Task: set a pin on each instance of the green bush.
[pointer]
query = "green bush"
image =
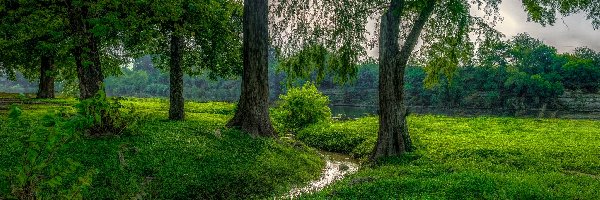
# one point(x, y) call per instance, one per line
point(41, 173)
point(532, 90)
point(301, 107)
point(99, 116)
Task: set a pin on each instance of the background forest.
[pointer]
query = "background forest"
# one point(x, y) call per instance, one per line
point(521, 73)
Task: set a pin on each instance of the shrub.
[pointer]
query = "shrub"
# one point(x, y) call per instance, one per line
point(301, 107)
point(99, 116)
point(41, 173)
point(14, 112)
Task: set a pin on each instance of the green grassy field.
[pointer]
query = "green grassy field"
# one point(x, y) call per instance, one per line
point(470, 158)
point(158, 159)
point(456, 158)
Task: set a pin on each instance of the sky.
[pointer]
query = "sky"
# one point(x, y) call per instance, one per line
point(566, 34)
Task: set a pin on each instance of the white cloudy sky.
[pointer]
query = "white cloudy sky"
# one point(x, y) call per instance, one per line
point(566, 34)
point(574, 32)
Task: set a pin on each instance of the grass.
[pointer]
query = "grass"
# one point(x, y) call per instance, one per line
point(354, 137)
point(473, 158)
point(157, 159)
point(456, 158)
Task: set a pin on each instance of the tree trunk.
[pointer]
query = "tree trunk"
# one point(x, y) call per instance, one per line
point(392, 124)
point(89, 70)
point(252, 113)
point(393, 138)
point(176, 78)
point(87, 56)
point(46, 86)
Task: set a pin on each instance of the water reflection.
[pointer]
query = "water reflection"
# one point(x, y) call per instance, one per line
point(337, 167)
point(353, 111)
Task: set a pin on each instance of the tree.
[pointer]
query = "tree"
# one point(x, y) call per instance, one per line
point(83, 32)
point(188, 36)
point(581, 73)
point(86, 51)
point(532, 55)
point(252, 114)
point(442, 26)
point(445, 44)
point(31, 43)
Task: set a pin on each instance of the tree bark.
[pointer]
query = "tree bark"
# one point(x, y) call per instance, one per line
point(252, 113)
point(393, 137)
point(87, 56)
point(46, 86)
point(89, 70)
point(176, 78)
point(391, 124)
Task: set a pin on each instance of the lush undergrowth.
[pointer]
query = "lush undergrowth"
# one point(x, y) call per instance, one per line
point(158, 159)
point(354, 137)
point(471, 158)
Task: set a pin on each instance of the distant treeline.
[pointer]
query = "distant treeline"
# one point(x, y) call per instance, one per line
point(520, 73)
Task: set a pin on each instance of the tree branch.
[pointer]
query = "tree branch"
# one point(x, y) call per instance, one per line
point(415, 32)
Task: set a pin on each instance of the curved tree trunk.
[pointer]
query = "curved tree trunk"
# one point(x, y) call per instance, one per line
point(46, 86)
point(393, 138)
point(252, 113)
point(176, 103)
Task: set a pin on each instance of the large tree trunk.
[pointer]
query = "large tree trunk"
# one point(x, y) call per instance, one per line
point(87, 56)
point(252, 114)
point(392, 123)
point(89, 70)
point(393, 138)
point(176, 78)
point(46, 86)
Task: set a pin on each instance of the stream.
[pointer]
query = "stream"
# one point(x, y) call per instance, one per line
point(337, 166)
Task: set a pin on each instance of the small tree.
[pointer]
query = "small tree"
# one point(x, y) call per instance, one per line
point(188, 37)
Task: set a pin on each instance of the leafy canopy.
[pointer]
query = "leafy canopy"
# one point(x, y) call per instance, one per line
point(312, 35)
point(210, 29)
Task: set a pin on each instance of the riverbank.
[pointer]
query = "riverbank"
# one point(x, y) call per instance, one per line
point(469, 157)
point(356, 111)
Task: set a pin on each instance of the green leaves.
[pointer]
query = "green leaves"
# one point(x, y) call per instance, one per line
point(544, 11)
point(301, 107)
point(581, 74)
point(210, 29)
point(15, 112)
point(41, 173)
point(32, 29)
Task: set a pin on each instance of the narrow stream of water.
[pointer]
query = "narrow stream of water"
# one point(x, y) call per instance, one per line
point(337, 167)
